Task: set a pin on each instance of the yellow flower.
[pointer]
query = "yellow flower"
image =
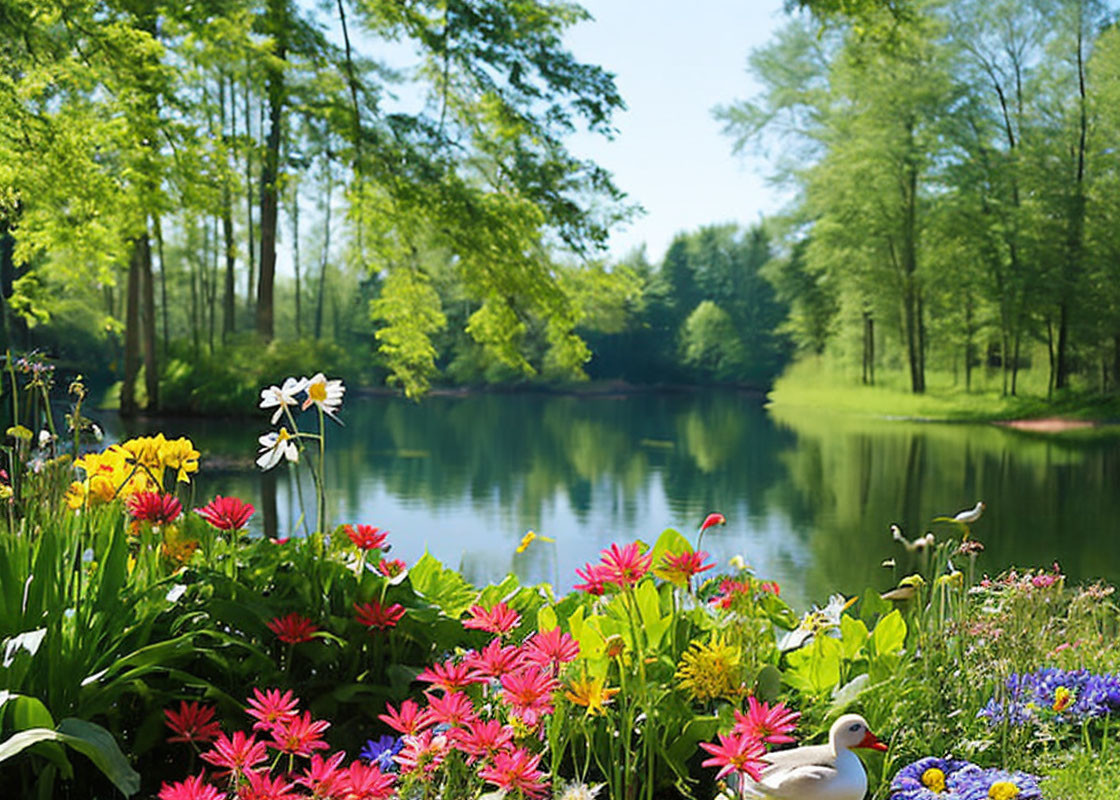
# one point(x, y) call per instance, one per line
point(76, 495)
point(591, 694)
point(711, 670)
point(1003, 790)
point(177, 547)
point(181, 456)
point(1063, 698)
point(145, 451)
point(529, 538)
point(934, 780)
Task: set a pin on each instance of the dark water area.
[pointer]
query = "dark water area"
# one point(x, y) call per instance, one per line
point(808, 497)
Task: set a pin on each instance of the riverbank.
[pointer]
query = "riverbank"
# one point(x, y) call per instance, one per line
point(1071, 413)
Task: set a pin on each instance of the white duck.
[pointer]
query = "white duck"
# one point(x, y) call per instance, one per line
point(819, 772)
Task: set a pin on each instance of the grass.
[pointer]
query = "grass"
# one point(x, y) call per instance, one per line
point(814, 383)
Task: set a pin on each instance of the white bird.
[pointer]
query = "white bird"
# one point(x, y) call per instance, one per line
point(970, 515)
point(819, 772)
point(916, 546)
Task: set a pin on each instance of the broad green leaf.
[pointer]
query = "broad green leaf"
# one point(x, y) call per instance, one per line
point(670, 541)
point(853, 636)
point(443, 588)
point(847, 694)
point(649, 609)
point(889, 634)
point(768, 684)
point(872, 606)
point(87, 738)
point(546, 619)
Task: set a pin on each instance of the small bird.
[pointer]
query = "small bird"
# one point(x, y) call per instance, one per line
point(970, 515)
point(916, 546)
point(819, 772)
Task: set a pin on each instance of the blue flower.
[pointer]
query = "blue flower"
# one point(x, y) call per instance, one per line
point(381, 752)
point(974, 783)
point(925, 779)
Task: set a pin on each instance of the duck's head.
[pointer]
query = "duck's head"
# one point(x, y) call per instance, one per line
point(851, 732)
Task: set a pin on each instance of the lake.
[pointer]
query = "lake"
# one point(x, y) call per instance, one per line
point(808, 496)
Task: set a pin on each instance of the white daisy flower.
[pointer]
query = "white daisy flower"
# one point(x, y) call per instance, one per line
point(276, 445)
point(326, 394)
point(282, 396)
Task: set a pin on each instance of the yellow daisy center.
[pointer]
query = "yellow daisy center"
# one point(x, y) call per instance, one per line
point(317, 392)
point(934, 780)
point(1003, 790)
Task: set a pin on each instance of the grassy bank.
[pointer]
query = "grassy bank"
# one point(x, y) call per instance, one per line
point(814, 384)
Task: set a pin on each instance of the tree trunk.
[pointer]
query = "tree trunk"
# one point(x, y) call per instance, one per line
point(228, 321)
point(148, 323)
point(249, 295)
point(270, 172)
point(158, 228)
point(295, 256)
point(128, 404)
point(326, 251)
point(1076, 223)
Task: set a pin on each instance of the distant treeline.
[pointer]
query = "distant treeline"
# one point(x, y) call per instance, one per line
point(956, 170)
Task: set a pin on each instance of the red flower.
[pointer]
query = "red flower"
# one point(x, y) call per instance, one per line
point(299, 735)
point(153, 507)
point(449, 675)
point(236, 754)
point(499, 619)
point(453, 708)
point(422, 753)
point(550, 648)
point(494, 661)
point(529, 694)
point(192, 723)
point(323, 777)
point(391, 568)
point(736, 753)
point(714, 518)
point(191, 789)
point(410, 720)
point(766, 724)
point(226, 513)
point(516, 771)
point(624, 566)
point(270, 708)
point(262, 786)
point(293, 628)
point(593, 576)
point(480, 739)
point(679, 569)
point(375, 615)
point(363, 782)
point(366, 537)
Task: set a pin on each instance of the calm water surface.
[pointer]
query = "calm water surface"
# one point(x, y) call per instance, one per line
point(808, 497)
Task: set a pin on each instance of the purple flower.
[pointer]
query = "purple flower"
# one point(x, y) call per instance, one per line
point(925, 779)
point(381, 752)
point(974, 783)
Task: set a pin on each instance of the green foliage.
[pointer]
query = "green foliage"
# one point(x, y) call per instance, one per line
point(229, 379)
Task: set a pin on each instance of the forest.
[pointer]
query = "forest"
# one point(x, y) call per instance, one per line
point(192, 196)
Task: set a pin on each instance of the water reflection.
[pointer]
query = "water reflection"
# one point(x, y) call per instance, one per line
point(808, 497)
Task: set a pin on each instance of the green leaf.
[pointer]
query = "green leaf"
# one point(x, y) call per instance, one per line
point(87, 738)
point(649, 609)
point(872, 606)
point(853, 635)
point(847, 694)
point(890, 634)
point(443, 588)
point(670, 541)
point(546, 619)
point(768, 683)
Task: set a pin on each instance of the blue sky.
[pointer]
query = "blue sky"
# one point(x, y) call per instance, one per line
point(673, 63)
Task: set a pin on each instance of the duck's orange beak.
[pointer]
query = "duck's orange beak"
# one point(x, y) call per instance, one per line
point(871, 742)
